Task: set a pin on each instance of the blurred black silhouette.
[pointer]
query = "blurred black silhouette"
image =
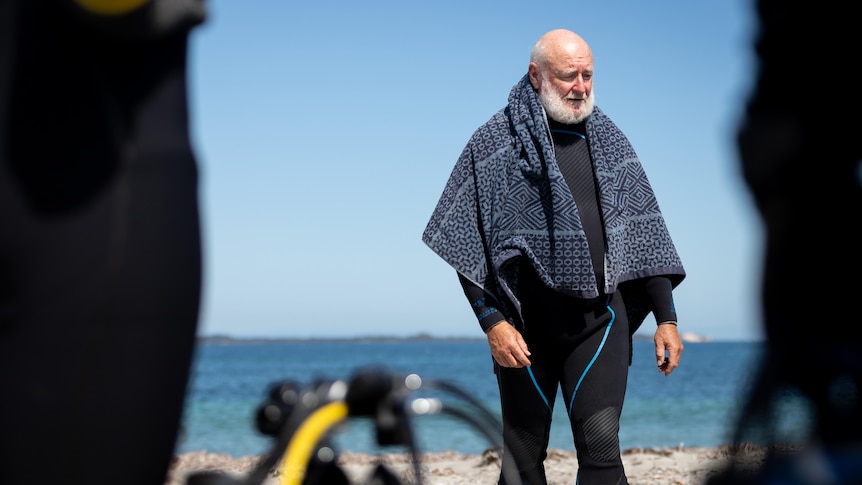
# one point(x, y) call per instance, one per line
point(100, 257)
point(800, 153)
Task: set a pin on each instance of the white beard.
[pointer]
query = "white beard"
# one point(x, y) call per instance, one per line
point(559, 110)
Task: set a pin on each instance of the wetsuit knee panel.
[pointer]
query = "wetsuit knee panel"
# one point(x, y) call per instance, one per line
point(601, 435)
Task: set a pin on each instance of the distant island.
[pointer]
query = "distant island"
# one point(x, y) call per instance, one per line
point(692, 337)
point(422, 337)
point(688, 337)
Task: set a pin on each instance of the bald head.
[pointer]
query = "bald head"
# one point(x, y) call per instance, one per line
point(559, 45)
point(561, 71)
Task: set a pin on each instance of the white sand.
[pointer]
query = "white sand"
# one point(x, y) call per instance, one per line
point(665, 466)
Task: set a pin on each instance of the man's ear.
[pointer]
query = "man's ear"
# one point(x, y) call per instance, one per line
point(535, 77)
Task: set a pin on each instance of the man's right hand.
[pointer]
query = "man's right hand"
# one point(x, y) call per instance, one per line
point(508, 347)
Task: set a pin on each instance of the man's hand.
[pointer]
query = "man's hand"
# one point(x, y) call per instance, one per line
point(508, 347)
point(667, 341)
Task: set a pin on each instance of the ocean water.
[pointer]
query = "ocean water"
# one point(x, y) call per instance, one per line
point(695, 406)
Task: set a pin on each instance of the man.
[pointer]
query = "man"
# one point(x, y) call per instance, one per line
point(100, 248)
point(561, 249)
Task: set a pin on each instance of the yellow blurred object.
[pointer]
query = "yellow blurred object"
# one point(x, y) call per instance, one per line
point(299, 450)
point(111, 7)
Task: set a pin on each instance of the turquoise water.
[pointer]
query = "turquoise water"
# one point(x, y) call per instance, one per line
point(694, 406)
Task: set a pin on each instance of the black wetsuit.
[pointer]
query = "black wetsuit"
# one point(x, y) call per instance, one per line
point(581, 346)
point(100, 257)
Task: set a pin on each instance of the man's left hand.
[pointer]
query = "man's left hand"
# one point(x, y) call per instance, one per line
point(668, 348)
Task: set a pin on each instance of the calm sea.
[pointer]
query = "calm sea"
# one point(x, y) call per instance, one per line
point(695, 406)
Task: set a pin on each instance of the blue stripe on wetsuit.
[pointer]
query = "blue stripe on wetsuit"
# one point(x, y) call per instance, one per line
point(587, 369)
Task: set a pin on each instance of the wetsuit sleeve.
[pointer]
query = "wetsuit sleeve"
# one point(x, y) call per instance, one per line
point(659, 290)
point(483, 304)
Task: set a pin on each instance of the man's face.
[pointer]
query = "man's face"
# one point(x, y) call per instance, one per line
point(563, 77)
point(569, 101)
point(567, 94)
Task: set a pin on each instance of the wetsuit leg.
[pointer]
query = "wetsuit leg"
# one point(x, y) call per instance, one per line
point(527, 407)
point(594, 386)
point(99, 258)
point(565, 335)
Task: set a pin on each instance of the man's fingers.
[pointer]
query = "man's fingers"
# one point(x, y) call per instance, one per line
point(514, 357)
point(508, 346)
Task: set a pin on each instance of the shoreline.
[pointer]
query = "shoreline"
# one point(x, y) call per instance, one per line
point(654, 466)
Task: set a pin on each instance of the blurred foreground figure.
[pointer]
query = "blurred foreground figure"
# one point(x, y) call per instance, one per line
point(100, 258)
point(800, 146)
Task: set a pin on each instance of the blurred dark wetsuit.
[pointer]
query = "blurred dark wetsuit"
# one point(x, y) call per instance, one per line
point(100, 251)
point(802, 164)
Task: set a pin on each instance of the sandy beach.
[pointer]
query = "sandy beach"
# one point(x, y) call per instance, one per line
point(664, 466)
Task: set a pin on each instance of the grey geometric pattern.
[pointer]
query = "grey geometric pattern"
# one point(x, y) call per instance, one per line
point(506, 198)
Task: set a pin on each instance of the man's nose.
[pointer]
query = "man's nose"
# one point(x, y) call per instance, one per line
point(579, 86)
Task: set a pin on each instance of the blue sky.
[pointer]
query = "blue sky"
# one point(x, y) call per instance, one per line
point(325, 133)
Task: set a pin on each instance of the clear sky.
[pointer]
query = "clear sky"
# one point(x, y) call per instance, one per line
point(326, 131)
